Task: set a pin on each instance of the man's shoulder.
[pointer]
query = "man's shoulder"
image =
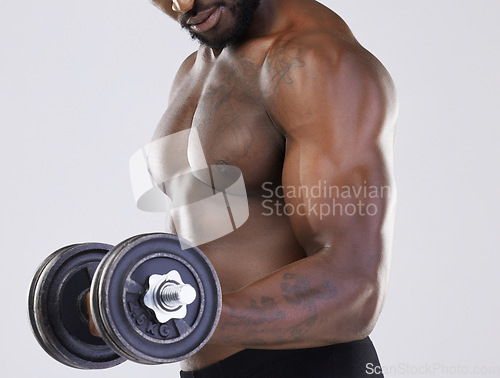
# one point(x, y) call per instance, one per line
point(317, 51)
point(187, 64)
point(324, 57)
point(321, 70)
point(185, 68)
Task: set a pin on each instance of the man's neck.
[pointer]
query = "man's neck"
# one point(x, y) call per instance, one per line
point(267, 19)
point(271, 17)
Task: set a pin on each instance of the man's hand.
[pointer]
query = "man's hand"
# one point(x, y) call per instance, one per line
point(92, 327)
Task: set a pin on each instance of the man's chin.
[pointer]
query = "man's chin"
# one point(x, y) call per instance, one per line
point(230, 32)
point(214, 43)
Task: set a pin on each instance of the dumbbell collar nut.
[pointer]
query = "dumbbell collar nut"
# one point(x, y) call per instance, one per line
point(168, 296)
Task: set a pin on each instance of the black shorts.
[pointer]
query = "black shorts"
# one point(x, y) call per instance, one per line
point(349, 360)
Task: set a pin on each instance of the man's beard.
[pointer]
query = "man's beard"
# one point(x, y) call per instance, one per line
point(243, 12)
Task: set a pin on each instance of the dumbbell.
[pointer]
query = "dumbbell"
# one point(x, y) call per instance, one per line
point(152, 302)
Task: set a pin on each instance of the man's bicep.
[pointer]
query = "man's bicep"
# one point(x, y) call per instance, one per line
point(341, 207)
point(337, 110)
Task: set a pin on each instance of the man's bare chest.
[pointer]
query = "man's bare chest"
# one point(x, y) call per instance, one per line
point(225, 106)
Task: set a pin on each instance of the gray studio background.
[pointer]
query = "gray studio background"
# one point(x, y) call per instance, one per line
point(84, 83)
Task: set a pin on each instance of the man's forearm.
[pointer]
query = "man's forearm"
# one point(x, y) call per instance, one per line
point(305, 304)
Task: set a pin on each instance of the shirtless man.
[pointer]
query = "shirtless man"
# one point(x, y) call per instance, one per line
point(282, 90)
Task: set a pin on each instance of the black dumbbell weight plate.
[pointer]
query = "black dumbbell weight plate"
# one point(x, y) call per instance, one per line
point(33, 315)
point(96, 307)
point(129, 325)
point(57, 308)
